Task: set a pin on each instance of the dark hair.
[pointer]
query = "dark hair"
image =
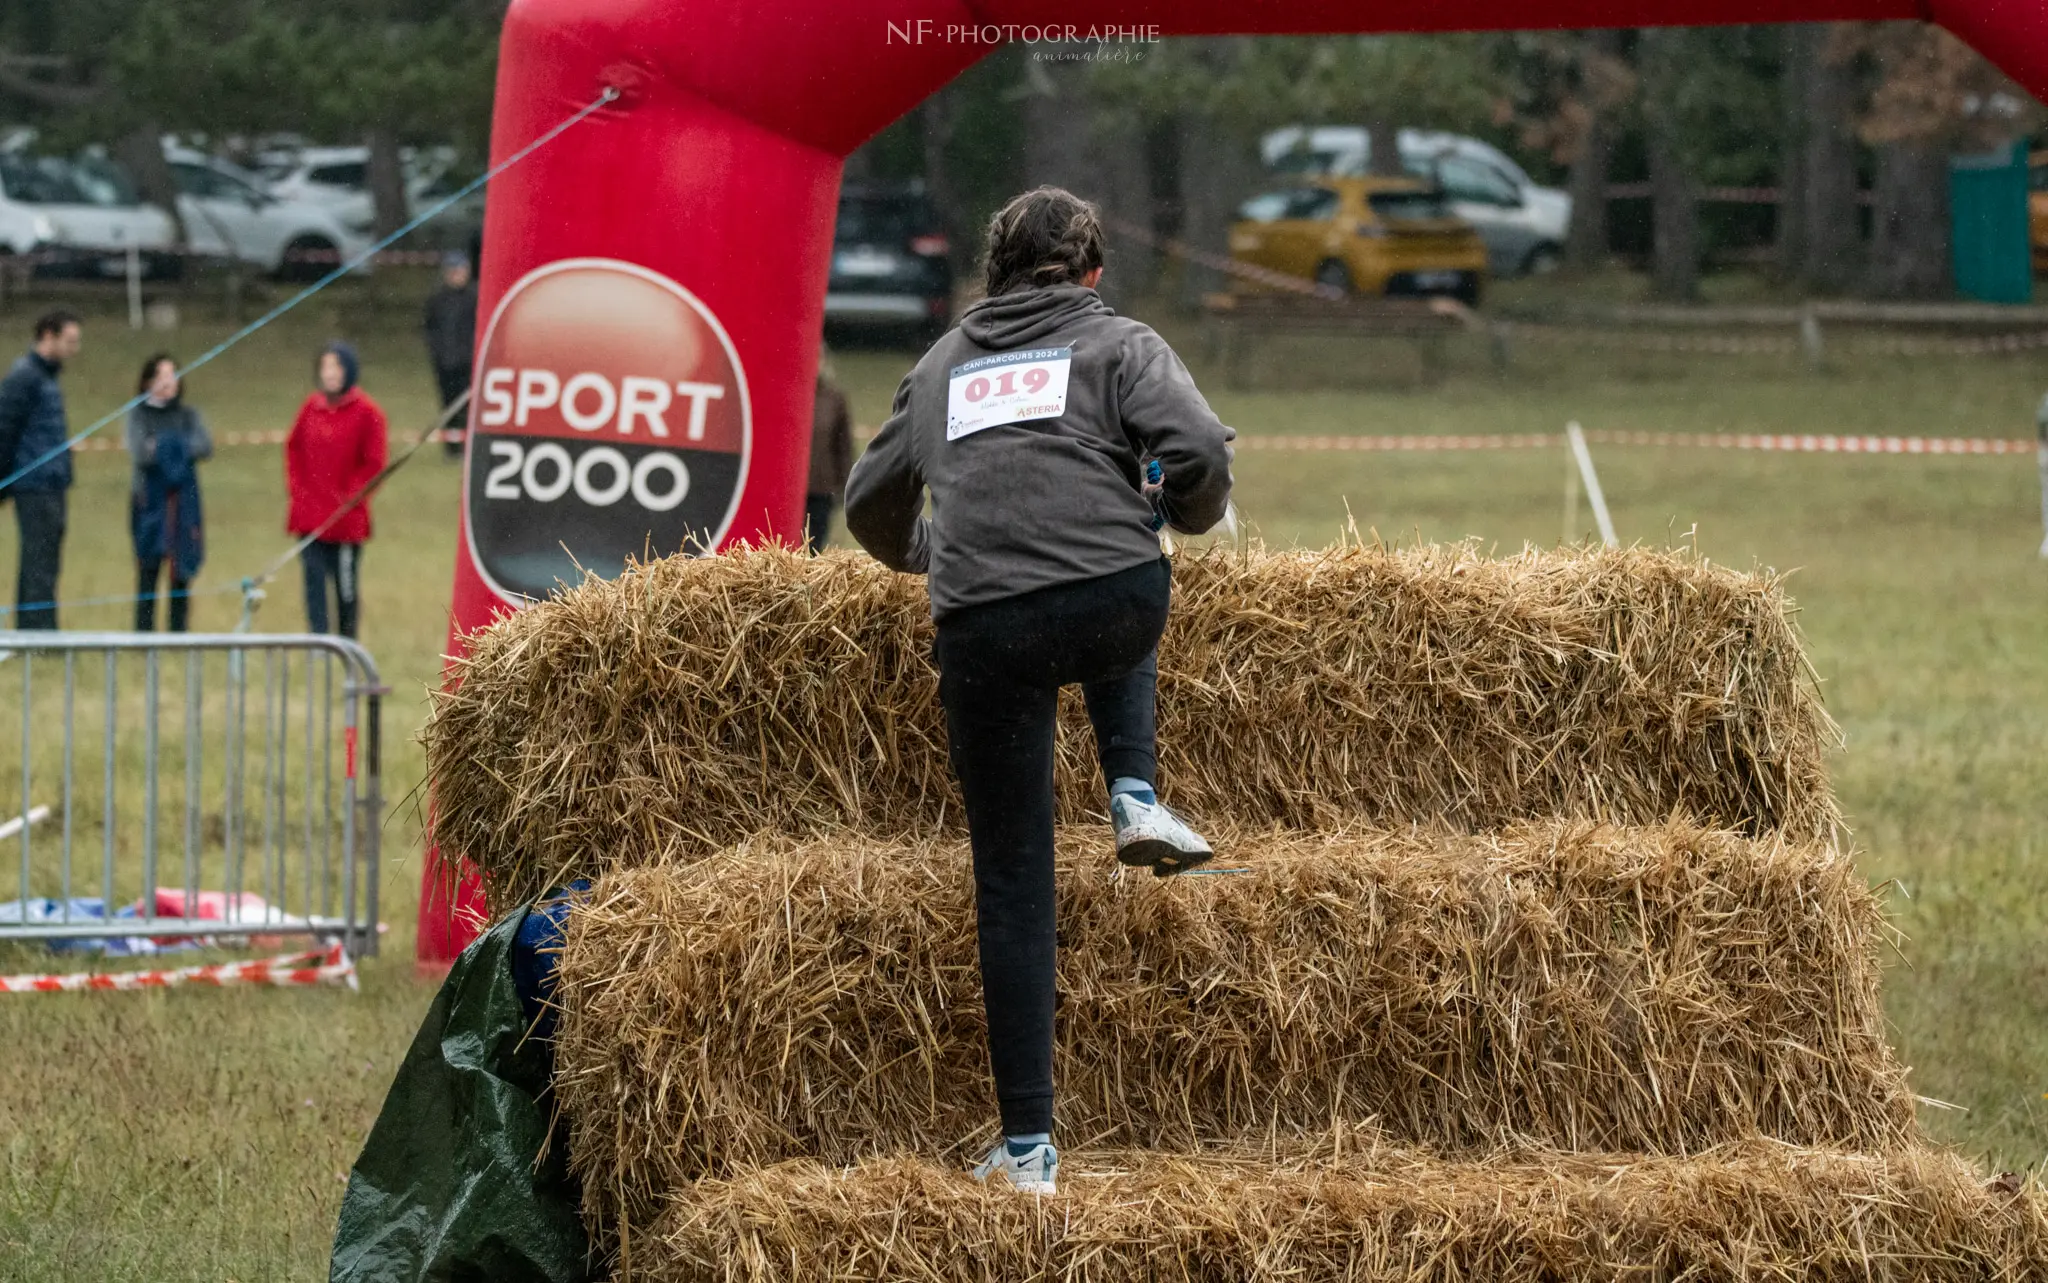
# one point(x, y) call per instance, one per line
point(149, 371)
point(1047, 236)
point(54, 321)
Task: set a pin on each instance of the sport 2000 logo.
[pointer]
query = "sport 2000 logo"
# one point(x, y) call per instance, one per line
point(609, 420)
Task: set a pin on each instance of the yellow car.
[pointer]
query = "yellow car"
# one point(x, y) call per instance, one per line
point(2037, 209)
point(1364, 236)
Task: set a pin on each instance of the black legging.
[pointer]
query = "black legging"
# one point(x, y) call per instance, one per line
point(148, 572)
point(339, 564)
point(1001, 666)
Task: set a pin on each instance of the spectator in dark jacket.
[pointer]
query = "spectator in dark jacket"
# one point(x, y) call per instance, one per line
point(451, 338)
point(33, 435)
point(166, 440)
point(831, 455)
point(337, 445)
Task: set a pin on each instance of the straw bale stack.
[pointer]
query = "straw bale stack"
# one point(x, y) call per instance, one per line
point(1548, 963)
point(1748, 1212)
point(690, 703)
point(1559, 983)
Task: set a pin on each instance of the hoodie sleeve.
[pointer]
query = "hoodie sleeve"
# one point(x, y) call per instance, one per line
point(202, 440)
point(1167, 415)
point(885, 494)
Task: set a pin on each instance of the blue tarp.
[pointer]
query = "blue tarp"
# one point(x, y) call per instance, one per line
point(88, 908)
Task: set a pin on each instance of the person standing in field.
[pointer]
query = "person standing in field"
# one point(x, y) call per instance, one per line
point(451, 339)
point(337, 445)
point(166, 442)
point(1029, 424)
point(831, 454)
point(33, 434)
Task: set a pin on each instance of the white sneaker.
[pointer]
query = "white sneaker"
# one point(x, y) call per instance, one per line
point(1149, 835)
point(1034, 1172)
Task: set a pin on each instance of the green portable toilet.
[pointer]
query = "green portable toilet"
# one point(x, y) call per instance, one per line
point(1988, 225)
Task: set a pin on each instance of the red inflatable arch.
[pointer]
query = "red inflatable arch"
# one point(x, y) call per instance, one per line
point(653, 282)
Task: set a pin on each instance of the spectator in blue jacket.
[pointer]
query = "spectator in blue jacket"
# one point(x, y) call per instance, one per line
point(166, 442)
point(32, 426)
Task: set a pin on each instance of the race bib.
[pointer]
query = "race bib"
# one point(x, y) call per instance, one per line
point(1010, 387)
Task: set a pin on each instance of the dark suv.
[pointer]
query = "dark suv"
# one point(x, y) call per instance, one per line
point(889, 267)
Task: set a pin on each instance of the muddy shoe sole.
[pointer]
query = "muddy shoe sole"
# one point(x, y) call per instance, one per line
point(1162, 857)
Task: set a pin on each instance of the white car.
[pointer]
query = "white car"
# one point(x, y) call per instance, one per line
point(338, 178)
point(46, 207)
point(1523, 224)
point(226, 212)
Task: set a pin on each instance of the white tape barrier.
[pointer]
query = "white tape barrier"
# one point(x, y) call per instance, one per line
point(1764, 345)
point(1789, 443)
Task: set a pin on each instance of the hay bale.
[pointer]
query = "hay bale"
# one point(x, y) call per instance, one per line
point(1748, 1212)
point(1560, 983)
point(690, 703)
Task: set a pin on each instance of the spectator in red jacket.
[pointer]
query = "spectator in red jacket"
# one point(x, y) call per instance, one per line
point(336, 446)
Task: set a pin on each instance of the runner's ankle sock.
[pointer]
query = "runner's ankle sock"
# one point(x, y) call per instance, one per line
point(1137, 788)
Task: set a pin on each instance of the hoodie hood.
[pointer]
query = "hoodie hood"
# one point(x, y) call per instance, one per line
point(1015, 320)
point(350, 367)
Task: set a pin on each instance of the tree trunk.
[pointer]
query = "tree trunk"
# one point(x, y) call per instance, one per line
point(1788, 241)
point(141, 153)
point(1210, 193)
point(1384, 144)
point(1586, 243)
point(1075, 142)
point(1586, 240)
point(1909, 251)
point(387, 182)
point(937, 122)
point(1829, 234)
point(1675, 222)
point(1218, 162)
point(1674, 214)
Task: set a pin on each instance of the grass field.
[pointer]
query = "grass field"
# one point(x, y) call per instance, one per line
point(205, 1136)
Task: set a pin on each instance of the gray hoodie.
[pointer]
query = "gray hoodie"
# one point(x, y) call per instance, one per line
point(1028, 423)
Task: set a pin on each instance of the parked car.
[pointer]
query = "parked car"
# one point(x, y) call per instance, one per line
point(889, 265)
point(1392, 236)
point(1523, 224)
point(2037, 208)
point(75, 227)
point(226, 212)
point(338, 178)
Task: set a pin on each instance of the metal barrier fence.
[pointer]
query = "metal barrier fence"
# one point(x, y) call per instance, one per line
point(248, 808)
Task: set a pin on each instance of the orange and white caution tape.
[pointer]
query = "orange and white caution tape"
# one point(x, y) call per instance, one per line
point(1793, 443)
point(96, 445)
point(1778, 345)
point(329, 966)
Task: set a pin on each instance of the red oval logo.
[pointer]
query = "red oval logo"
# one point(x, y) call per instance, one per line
point(609, 420)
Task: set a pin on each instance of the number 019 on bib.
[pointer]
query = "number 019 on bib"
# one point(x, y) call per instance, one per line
point(1009, 387)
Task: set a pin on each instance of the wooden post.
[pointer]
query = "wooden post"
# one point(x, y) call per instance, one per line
point(1584, 459)
point(1571, 497)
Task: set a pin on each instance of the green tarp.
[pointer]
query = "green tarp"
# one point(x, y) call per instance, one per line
point(449, 1188)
